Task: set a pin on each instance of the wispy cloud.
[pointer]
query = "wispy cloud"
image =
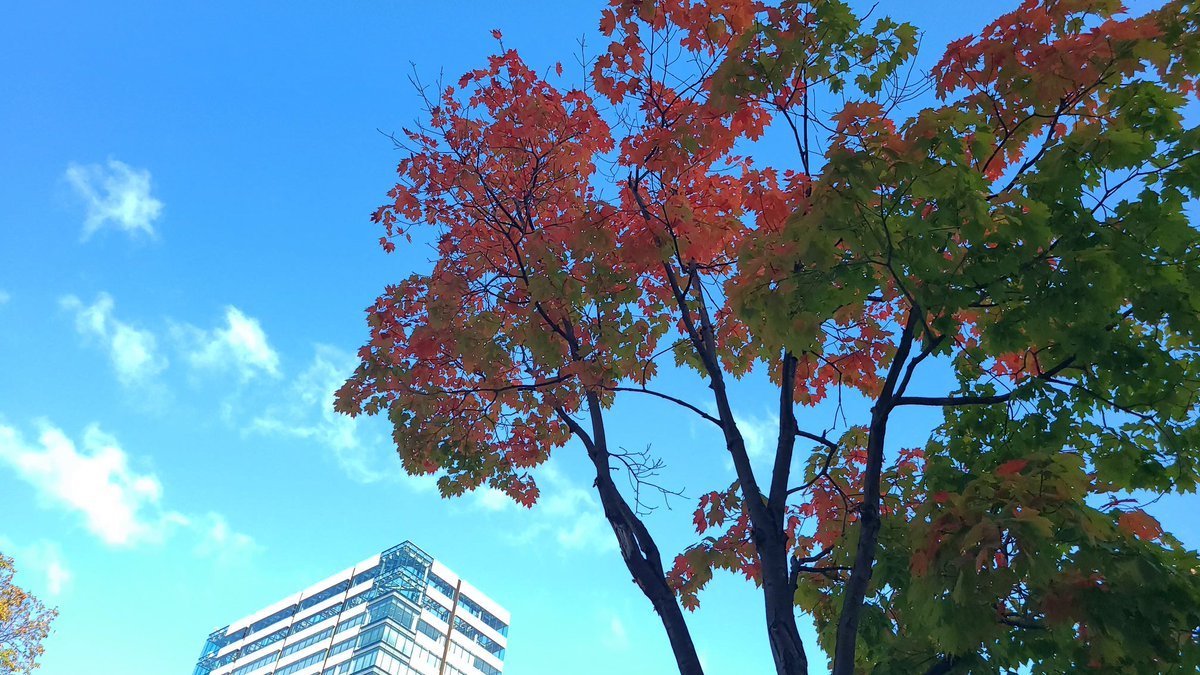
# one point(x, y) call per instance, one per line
point(42, 560)
point(116, 195)
point(493, 500)
point(304, 409)
point(571, 514)
point(616, 639)
point(133, 352)
point(761, 434)
point(220, 541)
point(94, 480)
point(240, 345)
point(118, 504)
point(5, 296)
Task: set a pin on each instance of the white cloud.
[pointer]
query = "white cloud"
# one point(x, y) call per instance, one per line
point(43, 560)
point(115, 195)
point(305, 410)
point(761, 434)
point(132, 351)
point(617, 638)
point(220, 542)
point(57, 575)
point(118, 504)
point(94, 480)
point(241, 345)
point(491, 499)
point(569, 513)
point(5, 296)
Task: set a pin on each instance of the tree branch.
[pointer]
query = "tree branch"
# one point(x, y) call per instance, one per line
point(672, 399)
point(955, 401)
point(868, 536)
point(781, 472)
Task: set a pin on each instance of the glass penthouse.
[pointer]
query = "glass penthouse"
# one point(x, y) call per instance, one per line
point(399, 612)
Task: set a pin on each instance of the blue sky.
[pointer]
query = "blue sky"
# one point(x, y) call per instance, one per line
point(185, 256)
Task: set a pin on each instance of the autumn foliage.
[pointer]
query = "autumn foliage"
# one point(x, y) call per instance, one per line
point(24, 623)
point(1018, 219)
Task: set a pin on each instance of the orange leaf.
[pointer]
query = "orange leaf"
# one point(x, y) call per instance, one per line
point(1011, 467)
point(1140, 524)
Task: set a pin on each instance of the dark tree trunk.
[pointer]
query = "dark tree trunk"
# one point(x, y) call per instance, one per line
point(644, 563)
point(779, 595)
point(765, 510)
point(864, 557)
point(869, 520)
point(779, 587)
point(638, 549)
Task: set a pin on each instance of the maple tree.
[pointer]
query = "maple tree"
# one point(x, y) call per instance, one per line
point(1017, 220)
point(24, 624)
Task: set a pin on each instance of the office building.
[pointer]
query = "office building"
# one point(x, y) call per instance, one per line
point(399, 612)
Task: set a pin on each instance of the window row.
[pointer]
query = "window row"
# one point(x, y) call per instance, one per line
point(485, 667)
point(212, 662)
point(320, 617)
point(342, 646)
point(460, 653)
point(433, 633)
point(256, 664)
point(490, 620)
point(311, 600)
point(307, 642)
point(480, 639)
point(264, 641)
point(386, 634)
point(441, 585)
point(321, 596)
point(437, 609)
point(352, 622)
point(383, 660)
point(302, 663)
point(272, 638)
point(393, 608)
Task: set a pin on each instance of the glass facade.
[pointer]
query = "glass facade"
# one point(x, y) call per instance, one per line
point(389, 615)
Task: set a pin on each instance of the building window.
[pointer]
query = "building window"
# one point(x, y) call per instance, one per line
point(307, 642)
point(302, 663)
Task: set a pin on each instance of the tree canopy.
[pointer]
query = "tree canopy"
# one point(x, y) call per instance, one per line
point(1019, 216)
point(24, 624)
